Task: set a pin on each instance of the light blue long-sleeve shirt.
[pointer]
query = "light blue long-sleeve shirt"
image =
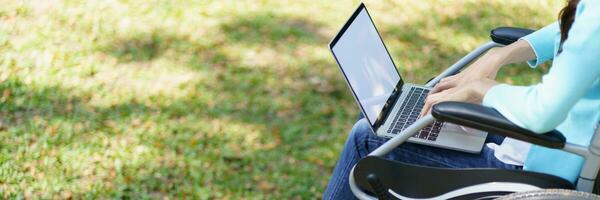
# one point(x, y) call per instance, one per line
point(567, 99)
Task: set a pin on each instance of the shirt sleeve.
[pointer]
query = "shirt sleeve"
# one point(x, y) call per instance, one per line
point(542, 42)
point(542, 107)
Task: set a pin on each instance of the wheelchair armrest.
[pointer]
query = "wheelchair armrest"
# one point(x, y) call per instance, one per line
point(488, 119)
point(508, 35)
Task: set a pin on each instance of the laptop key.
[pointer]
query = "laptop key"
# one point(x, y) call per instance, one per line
point(432, 137)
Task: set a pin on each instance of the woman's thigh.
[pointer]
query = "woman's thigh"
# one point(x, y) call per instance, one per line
point(366, 141)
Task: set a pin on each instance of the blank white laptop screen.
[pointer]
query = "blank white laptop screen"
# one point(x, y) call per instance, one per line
point(366, 64)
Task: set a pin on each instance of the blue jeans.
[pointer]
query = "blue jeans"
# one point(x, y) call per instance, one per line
point(362, 141)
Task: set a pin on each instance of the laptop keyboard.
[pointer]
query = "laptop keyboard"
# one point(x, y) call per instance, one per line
point(409, 112)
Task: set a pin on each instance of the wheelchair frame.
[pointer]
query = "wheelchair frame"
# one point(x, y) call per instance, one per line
point(591, 153)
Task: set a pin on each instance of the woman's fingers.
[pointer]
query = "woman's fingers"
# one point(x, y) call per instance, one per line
point(443, 86)
point(449, 78)
point(433, 99)
point(426, 108)
point(429, 101)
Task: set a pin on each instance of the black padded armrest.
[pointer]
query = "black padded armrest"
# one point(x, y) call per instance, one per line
point(488, 119)
point(508, 35)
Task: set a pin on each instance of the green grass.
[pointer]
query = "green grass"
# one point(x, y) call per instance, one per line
point(204, 99)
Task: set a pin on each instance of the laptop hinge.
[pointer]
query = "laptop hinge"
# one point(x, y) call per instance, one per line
point(389, 106)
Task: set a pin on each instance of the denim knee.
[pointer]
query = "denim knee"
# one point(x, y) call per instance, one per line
point(361, 129)
point(359, 136)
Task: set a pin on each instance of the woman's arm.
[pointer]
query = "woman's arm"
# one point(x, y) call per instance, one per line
point(487, 66)
point(544, 106)
point(536, 48)
point(472, 84)
point(519, 51)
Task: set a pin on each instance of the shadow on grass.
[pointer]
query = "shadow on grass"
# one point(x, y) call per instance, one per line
point(270, 28)
point(260, 29)
point(143, 47)
point(50, 120)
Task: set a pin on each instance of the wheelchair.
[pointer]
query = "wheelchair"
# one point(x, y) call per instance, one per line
point(374, 177)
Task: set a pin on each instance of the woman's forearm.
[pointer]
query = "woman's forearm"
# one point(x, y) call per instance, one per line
point(489, 64)
point(519, 51)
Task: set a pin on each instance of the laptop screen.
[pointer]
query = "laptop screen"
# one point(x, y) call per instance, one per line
point(366, 63)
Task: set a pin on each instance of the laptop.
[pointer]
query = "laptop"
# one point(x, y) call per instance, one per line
point(388, 103)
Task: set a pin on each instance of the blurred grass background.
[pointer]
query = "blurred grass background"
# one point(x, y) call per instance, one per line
point(205, 99)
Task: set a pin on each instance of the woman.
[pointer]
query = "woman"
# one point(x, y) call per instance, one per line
point(567, 99)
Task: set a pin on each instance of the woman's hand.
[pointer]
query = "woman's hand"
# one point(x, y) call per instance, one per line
point(471, 84)
point(472, 92)
point(485, 67)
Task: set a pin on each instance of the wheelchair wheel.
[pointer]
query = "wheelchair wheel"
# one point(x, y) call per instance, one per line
point(551, 194)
